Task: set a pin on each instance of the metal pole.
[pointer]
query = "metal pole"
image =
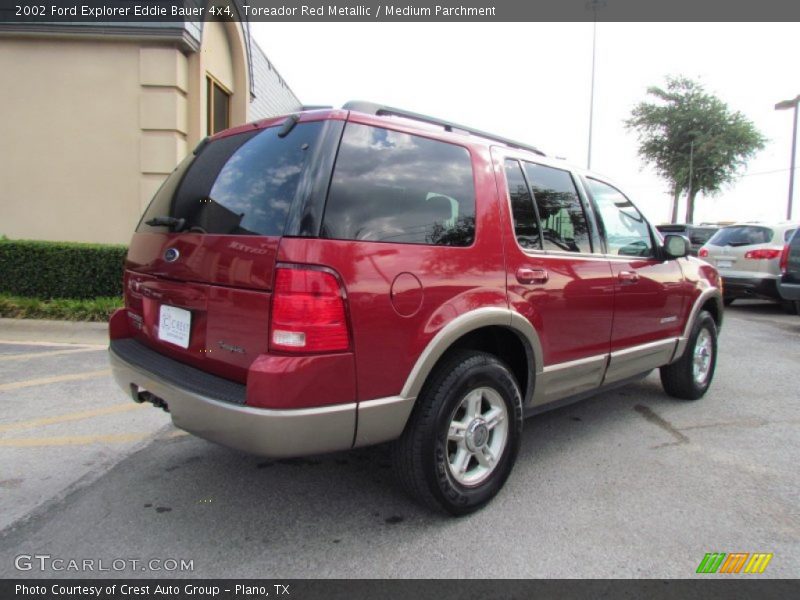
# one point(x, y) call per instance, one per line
point(690, 186)
point(791, 168)
point(591, 97)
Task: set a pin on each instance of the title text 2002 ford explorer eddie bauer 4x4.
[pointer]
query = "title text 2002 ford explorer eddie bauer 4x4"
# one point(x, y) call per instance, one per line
point(341, 278)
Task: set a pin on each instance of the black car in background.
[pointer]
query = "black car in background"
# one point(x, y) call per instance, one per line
point(697, 234)
point(789, 282)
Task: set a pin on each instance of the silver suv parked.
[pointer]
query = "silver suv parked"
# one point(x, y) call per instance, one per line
point(748, 258)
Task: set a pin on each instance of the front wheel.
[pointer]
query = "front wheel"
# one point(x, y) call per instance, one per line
point(690, 376)
point(463, 436)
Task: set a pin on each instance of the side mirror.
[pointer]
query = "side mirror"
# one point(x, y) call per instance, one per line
point(676, 246)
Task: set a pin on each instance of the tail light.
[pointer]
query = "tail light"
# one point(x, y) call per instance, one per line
point(703, 253)
point(763, 254)
point(308, 312)
point(784, 262)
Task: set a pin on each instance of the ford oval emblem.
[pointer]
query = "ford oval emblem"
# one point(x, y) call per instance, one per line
point(171, 254)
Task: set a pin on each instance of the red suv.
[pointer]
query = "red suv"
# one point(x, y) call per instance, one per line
point(341, 278)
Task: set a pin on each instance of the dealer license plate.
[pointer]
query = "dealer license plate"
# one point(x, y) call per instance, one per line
point(174, 325)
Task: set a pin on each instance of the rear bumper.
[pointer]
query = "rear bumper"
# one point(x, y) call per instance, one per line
point(750, 287)
point(261, 431)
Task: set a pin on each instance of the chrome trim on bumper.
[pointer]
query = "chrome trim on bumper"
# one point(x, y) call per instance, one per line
point(265, 432)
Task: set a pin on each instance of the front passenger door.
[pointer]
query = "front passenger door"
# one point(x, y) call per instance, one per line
point(648, 291)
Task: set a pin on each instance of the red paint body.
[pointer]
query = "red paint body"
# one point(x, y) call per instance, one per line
point(584, 309)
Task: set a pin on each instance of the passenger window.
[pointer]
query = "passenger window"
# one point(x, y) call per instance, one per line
point(564, 225)
point(389, 186)
point(626, 230)
point(526, 225)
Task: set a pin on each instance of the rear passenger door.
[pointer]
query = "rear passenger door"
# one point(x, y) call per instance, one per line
point(554, 278)
point(649, 291)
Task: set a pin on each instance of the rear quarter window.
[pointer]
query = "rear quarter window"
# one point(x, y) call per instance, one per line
point(389, 186)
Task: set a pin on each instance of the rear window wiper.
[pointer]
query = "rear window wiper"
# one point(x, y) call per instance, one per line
point(173, 223)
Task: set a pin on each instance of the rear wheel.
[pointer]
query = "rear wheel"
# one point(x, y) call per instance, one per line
point(690, 376)
point(463, 436)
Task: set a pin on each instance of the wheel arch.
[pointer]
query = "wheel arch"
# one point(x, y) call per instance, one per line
point(501, 332)
point(709, 300)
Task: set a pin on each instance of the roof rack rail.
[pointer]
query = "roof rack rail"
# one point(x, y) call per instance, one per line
point(372, 108)
point(315, 107)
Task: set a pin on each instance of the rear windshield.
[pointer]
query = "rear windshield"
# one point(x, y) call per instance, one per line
point(700, 235)
point(742, 235)
point(390, 186)
point(238, 185)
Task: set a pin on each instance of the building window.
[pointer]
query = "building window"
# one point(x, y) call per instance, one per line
point(219, 107)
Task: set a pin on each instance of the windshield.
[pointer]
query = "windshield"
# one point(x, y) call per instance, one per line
point(238, 185)
point(742, 235)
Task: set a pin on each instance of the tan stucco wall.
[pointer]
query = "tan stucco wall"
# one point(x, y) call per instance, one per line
point(69, 125)
point(91, 128)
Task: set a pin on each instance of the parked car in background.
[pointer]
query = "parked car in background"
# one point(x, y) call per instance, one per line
point(748, 258)
point(697, 234)
point(789, 284)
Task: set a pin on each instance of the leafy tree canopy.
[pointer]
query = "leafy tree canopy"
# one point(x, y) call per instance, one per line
point(692, 139)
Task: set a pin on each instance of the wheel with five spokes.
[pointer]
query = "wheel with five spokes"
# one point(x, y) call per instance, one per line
point(463, 435)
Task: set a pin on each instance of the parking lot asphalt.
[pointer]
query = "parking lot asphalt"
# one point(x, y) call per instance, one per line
point(630, 483)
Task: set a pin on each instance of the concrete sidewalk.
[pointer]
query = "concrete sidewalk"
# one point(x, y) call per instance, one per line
point(59, 332)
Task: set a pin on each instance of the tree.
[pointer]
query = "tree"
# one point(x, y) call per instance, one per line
point(693, 139)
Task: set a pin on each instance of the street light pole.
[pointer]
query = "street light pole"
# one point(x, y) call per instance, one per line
point(786, 104)
point(592, 5)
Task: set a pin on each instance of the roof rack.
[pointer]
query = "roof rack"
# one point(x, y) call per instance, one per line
point(372, 108)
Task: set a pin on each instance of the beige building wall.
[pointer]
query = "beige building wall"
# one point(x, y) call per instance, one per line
point(69, 131)
point(91, 128)
point(89, 131)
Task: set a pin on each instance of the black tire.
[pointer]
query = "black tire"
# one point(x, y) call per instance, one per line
point(727, 301)
point(421, 457)
point(791, 307)
point(679, 378)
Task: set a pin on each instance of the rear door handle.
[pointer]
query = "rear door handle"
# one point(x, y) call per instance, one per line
point(628, 277)
point(526, 275)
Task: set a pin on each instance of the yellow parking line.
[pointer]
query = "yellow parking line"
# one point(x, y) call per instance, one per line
point(6, 357)
point(175, 434)
point(16, 385)
point(76, 416)
point(72, 440)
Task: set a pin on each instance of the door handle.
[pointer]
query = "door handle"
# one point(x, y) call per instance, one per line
point(628, 277)
point(526, 275)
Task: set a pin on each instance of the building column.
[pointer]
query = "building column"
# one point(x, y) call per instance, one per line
point(163, 118)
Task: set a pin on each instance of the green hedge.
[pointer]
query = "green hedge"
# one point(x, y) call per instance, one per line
point(60, 269)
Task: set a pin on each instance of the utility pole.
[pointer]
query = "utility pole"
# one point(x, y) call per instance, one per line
point(783, 106)
point(592, 5)
point(691, 176)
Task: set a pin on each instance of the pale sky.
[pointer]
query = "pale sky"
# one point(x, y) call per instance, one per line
point(531, 82)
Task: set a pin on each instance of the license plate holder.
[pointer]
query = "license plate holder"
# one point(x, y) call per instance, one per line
point(174, 325)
